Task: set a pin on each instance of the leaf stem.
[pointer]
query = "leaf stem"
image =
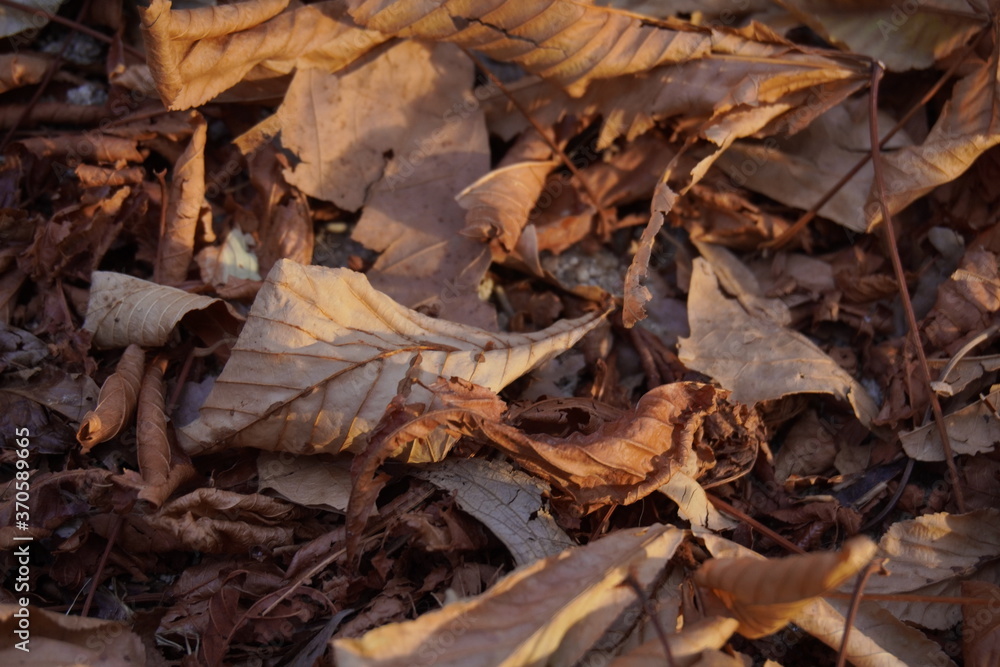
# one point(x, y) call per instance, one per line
point(904, 293)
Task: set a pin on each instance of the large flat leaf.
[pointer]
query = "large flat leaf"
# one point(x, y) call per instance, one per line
point(322, 354)
point(548, 613)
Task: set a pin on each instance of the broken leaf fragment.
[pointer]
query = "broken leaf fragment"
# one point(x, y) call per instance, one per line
point(974, 429)
point(322, 354)
point(507, 501)
point(756, 358)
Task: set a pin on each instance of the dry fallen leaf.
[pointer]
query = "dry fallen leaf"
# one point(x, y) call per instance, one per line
point(877, 639)
point(965, 129)
point(974, 429)
point(161, 469)
point(208, 520)
point(22, 69)
point(322, 353)
point(61, 639)
point(903, 37)
point(930, 555)
point(765, 595)
point(637, 295)
point(405, 162)
point(981, 625)
point(800, 169)
point(674, 427)
point(570, 43)
point(124, 310)
point(755, 357)
point(966, 303)
point(306, 480)
point(809, 448)
point(440, 146)
point(686, 646)
point(498, 204)
point(117, 401)
point(195, 54)
point(549, 612)
point(693, 504)
point(186, 208)
point(507, 501)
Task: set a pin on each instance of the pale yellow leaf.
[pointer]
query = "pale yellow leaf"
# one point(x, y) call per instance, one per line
point(755, 357)
point(935, 547)
point(124, 310)
point(507, 501)
point(322, 354)
point(547, 613)
point(877, 639)
point(693, 504)
point(686, 647)
point(975, 429)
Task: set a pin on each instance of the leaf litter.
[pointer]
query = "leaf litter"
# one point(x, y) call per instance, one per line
point(576, 378)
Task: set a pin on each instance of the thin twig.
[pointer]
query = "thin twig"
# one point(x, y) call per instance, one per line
point(789, 234)
point(116, 526)
point(723, 506)
point(903, 480)
point(852, 611)
point(904, 293)
point(605, 226)
point(943, 377)
point(646, 604)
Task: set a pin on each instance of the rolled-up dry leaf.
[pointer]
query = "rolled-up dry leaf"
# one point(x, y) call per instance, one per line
point(116, 402)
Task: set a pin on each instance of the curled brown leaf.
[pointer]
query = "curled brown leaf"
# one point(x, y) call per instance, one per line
point(187, 199)
point(116, 402)
point(162, 469)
